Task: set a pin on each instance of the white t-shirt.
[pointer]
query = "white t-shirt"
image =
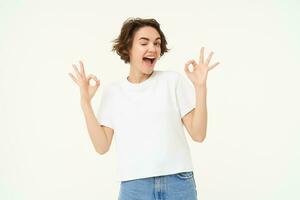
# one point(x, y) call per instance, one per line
point(146, 118)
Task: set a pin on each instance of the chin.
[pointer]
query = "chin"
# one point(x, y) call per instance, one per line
point(147, 70)
point(150, 71)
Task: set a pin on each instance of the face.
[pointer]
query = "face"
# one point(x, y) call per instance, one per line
point(145, 49)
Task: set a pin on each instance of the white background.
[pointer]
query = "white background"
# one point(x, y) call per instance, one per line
point(252, 145)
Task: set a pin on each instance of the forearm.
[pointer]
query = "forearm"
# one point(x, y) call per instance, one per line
point(199, 120)
point(96, 132)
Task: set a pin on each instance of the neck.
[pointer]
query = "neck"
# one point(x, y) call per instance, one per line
point(137, 76)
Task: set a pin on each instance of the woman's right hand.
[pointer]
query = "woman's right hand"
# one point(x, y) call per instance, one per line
point(87, 91)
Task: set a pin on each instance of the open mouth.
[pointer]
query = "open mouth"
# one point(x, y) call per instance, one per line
point(149, 60)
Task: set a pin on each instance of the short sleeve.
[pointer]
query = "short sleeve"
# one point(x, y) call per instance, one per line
point(185, 95)
point(105, 111)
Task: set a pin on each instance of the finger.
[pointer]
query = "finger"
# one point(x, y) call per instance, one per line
point(186, 67)
point(194, 63)
point(91, 76)
point(209, 58)
point(213, 66)
point(97, 83)
point(201, 58)
point(73, 78)
point(82, 68)
point(76, 71)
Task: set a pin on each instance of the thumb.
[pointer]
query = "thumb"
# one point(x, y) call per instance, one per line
point(91, 76)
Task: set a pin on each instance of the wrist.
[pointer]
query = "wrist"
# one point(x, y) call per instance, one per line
point(85, 102)
point(201, 86)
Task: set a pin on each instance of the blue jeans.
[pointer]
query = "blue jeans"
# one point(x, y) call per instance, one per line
point(180, 186)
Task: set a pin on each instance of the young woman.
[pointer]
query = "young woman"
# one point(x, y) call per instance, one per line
point(146, 111)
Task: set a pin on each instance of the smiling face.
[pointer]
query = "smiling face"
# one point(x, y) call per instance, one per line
point(146, 49)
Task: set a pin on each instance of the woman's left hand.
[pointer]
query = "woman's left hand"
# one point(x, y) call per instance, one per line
point(199, 74)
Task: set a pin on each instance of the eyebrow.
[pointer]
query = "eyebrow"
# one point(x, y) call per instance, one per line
point(144, 38)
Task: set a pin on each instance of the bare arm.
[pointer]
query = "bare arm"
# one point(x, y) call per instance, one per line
point(101, 136)
point(96, 132)
point(199, 119)
point(196, 121)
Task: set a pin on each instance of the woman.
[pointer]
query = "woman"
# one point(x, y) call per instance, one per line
point(146, 111)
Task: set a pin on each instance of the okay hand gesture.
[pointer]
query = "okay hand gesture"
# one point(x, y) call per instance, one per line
point(200, 70)
point(87, 91)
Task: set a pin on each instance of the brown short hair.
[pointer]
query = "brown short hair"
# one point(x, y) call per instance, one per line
point(123, 43)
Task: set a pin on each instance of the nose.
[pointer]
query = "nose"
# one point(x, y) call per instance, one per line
point(152, 48)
